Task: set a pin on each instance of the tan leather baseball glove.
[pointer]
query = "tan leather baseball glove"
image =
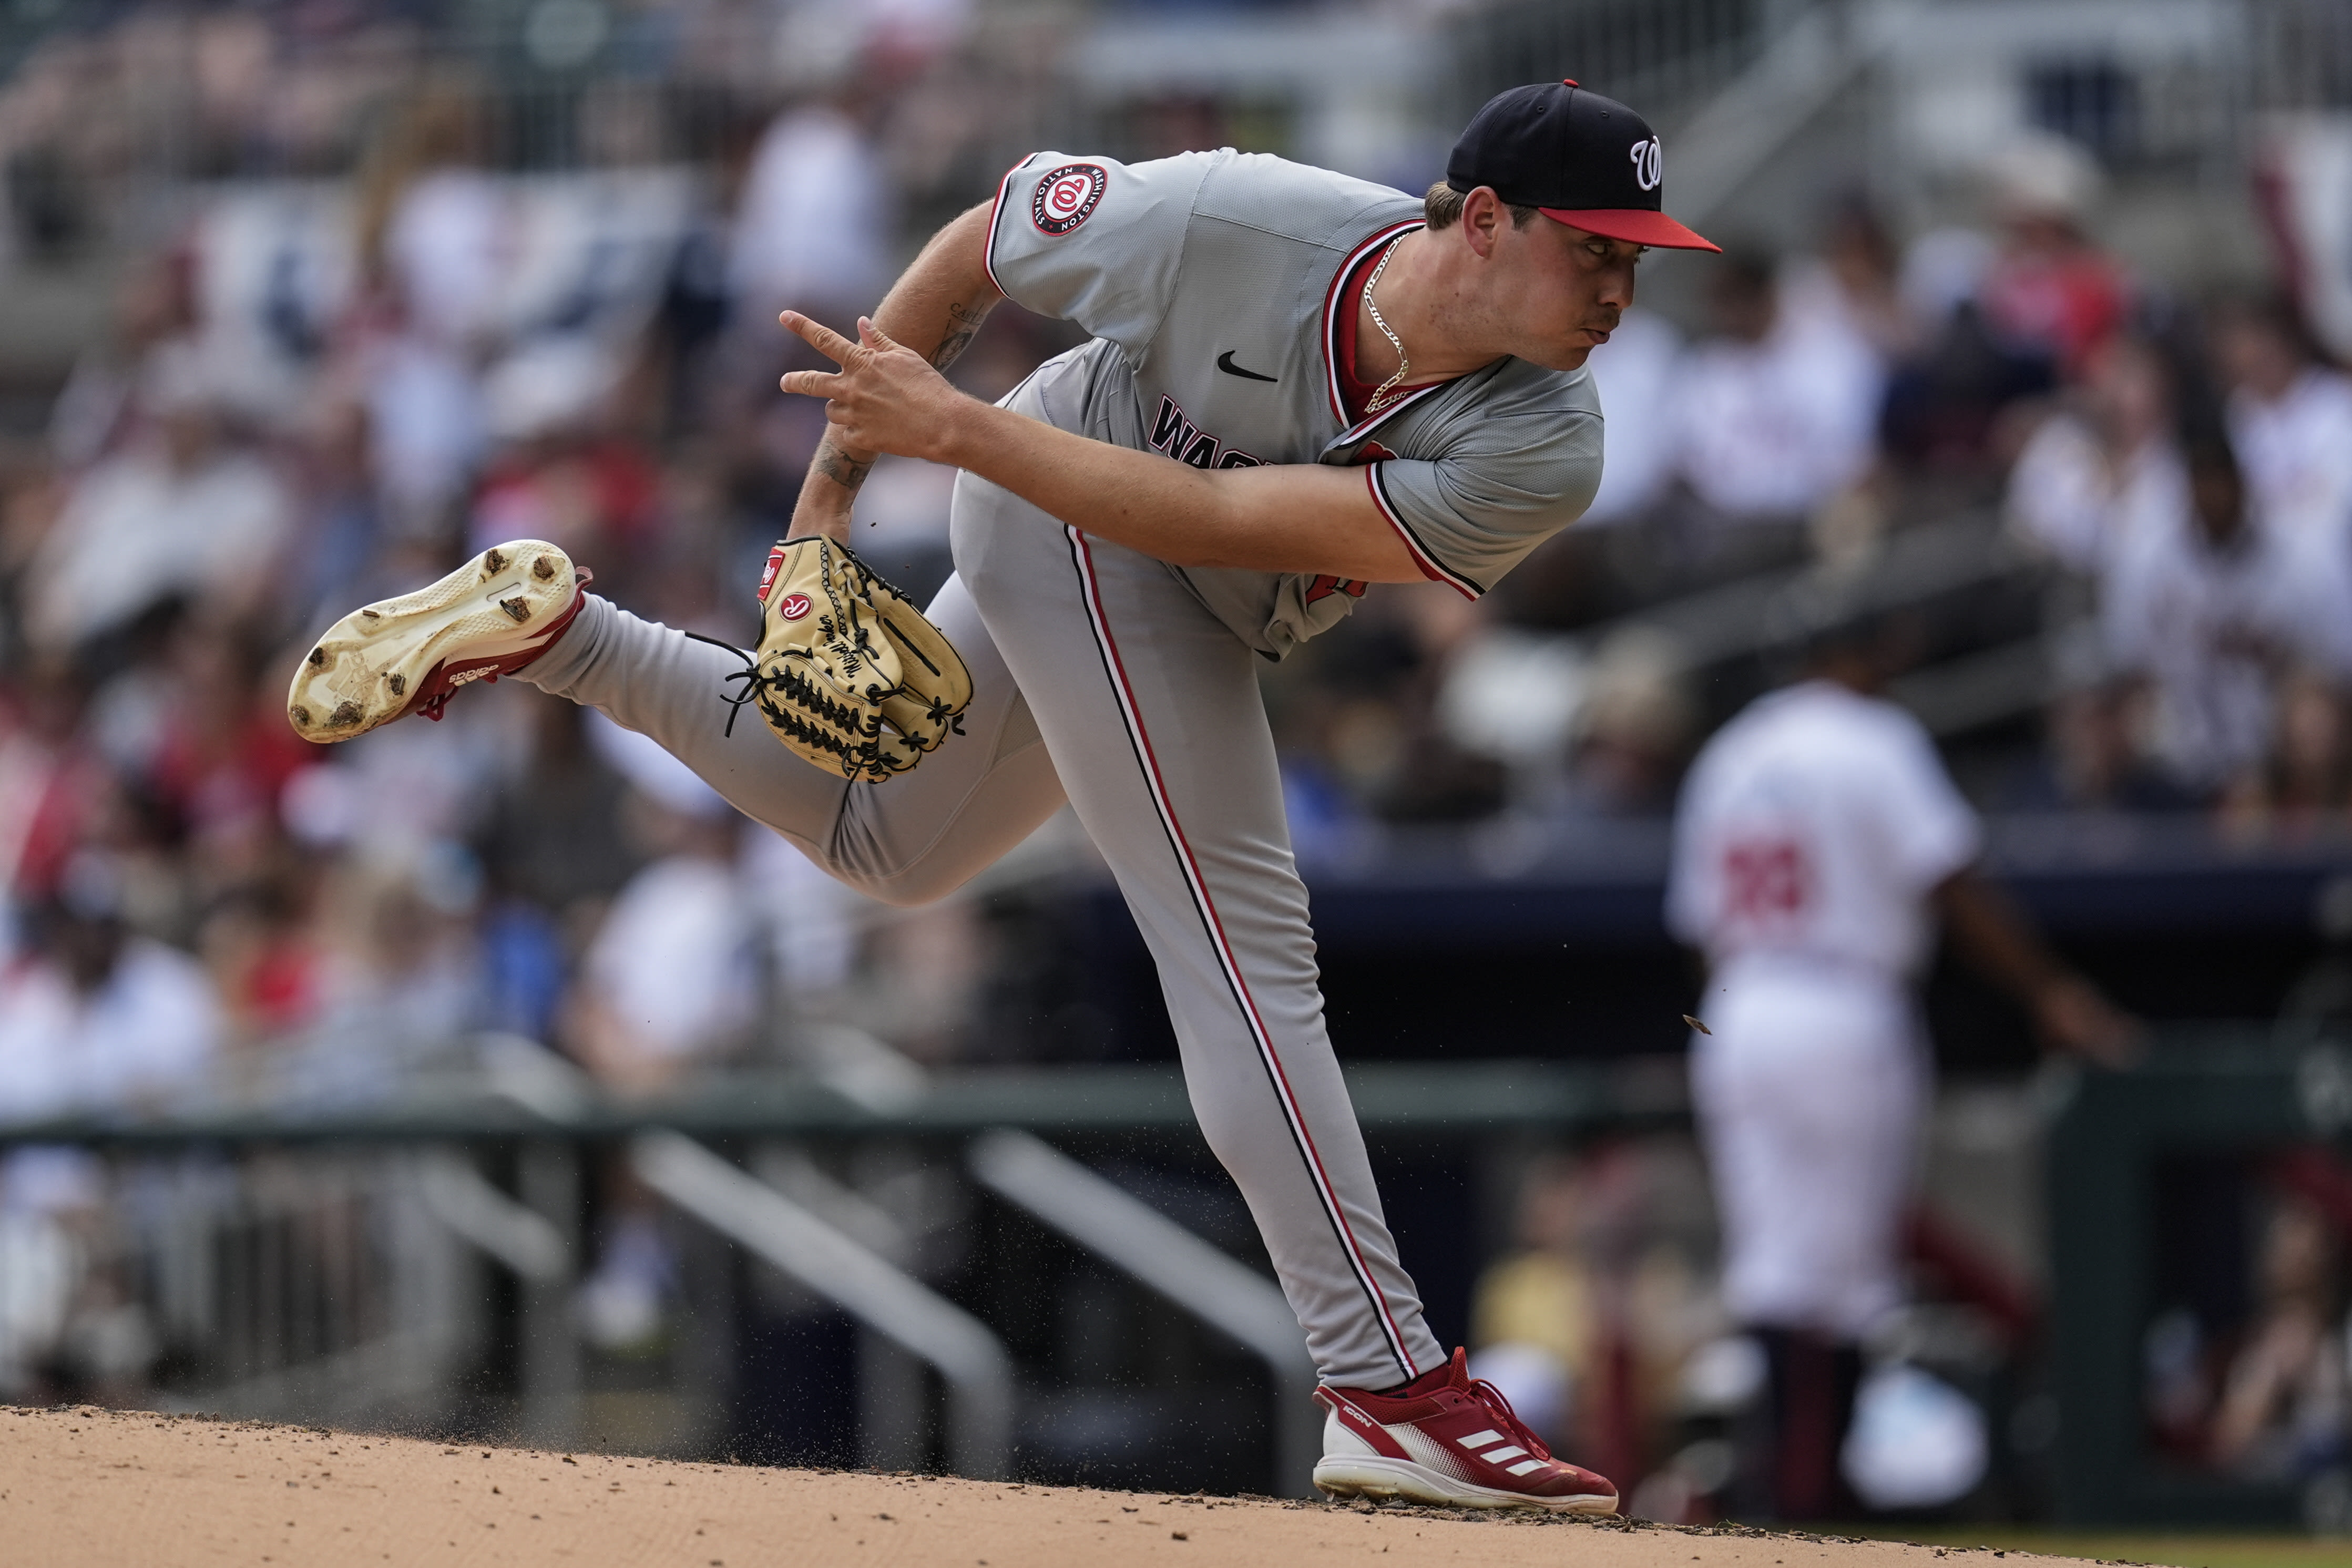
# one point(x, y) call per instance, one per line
point(849, 674)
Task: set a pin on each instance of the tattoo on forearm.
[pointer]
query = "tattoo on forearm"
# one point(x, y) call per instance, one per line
point(840, 467)
point(959, 336)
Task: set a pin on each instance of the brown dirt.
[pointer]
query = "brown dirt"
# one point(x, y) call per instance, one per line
point(86, 1487)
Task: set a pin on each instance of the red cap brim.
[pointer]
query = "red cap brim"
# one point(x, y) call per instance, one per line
point(1636, 225)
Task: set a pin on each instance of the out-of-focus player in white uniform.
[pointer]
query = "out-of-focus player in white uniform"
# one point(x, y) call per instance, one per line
point(1818, 845)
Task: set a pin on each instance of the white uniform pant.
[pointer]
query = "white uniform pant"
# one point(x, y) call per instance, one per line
point(1098, 676)
point(1809, 1093)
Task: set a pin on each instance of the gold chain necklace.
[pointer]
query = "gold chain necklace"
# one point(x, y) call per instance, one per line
point(1386, 393)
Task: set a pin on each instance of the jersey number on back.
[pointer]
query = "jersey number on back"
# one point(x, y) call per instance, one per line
point(1765, 881)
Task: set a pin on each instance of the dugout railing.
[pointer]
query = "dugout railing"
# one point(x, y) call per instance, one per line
point(494, 1165)
point(2160, 1181)
point(304, 1262)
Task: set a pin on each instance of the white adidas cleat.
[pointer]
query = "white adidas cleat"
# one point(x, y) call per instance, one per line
point(489, 618)
point(1449, 1440)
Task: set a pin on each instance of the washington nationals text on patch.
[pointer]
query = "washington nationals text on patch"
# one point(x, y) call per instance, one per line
point(1065, 197)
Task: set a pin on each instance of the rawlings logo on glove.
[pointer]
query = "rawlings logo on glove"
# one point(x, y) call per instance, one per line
point(849, 674)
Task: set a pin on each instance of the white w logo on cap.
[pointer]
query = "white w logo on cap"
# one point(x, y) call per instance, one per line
point(1648, 163)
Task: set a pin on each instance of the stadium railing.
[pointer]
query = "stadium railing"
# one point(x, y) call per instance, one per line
point(2158, 1180)
point(351, 1300)
point(306, 1263)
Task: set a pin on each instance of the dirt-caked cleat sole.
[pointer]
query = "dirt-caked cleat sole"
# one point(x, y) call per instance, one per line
point(397, 656)
point(1383, 1479)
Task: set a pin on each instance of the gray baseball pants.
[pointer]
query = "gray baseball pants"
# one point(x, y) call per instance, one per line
point(1097, 677)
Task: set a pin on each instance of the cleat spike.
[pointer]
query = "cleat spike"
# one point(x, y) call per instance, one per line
point(413, 651)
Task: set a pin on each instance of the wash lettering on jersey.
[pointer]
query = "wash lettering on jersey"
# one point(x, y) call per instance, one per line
point(1175, 434)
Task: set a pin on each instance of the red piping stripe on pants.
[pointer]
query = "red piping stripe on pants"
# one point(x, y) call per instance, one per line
point(1082, 556)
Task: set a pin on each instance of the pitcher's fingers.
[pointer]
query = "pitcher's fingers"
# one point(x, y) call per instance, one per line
point(872, 336)
point(818, 336)
point(813, 383)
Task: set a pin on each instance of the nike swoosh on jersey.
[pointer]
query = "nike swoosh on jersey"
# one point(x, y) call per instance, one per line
point(1225, 363)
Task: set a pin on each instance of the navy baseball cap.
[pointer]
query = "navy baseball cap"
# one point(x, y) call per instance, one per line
point(1581, 159)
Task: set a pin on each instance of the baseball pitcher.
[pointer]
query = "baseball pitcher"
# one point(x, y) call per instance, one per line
point(1299, 385)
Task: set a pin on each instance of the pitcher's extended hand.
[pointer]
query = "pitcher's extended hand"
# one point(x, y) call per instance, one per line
point(885, 398)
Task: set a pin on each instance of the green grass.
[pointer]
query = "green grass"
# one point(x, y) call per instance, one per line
point(2180, 1550)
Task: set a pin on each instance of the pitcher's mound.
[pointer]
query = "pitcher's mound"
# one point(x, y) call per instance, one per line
point(86, 1487)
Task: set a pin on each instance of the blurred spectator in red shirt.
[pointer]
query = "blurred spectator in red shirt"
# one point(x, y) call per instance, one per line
point(2005, 323)
point(2049, 288)
point(257, 946)
point(49, 779)
point(224, 751)
point(566, 477)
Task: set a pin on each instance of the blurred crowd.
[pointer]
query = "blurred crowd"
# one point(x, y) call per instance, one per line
point(317, 395)
point(2195, 487)
point(309, 90)
point(317, 391)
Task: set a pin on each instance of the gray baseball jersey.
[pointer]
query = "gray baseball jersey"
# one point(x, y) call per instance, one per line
point(1211, 283)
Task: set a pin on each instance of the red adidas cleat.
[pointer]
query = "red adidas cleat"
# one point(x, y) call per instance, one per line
point(1449, 1440)
point(385, 660)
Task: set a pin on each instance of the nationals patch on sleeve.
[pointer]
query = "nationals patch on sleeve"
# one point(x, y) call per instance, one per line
point(1066, 197)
